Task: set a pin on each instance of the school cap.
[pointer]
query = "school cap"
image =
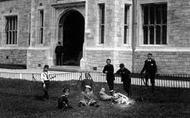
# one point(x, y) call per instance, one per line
point(121, 65)
point(87, 86)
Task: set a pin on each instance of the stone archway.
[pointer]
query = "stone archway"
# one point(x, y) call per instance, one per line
point(71, 33)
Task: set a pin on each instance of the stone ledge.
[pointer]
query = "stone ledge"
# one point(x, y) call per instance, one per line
point(13, 66)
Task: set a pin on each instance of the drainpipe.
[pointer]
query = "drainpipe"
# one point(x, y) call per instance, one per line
point(134, 30)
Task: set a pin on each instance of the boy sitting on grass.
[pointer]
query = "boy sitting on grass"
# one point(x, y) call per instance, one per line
point(88, 97)
point(63, 102)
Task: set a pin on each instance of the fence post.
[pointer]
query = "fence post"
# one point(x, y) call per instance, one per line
point(20, 75)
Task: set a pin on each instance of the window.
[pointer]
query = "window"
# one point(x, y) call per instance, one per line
point(155, 24)
point(102, 22)
point(126, 26)
point(11, 29)
point(41, 26)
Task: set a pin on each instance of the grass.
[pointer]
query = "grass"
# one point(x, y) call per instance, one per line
point(19, 99)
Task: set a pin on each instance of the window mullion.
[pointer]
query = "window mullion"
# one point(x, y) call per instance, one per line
point(9, 30)
point(155, 24)
point(148, 24)
point(161, 25)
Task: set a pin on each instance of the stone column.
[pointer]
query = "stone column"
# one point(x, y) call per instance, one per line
point(86, 32)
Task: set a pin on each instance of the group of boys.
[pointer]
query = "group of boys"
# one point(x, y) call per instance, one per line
point(149, 71)
point(149, 68)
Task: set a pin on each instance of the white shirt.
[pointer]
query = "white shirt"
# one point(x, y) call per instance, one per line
point(45, 76)
point(121, 99)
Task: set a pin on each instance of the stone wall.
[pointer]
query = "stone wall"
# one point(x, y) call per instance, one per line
point(95, 54)
point(97, 58)
point(13, 56)
point(37, 58)
point(167, 62)
point(21, 8)
point(179, 23)
point(172, 58)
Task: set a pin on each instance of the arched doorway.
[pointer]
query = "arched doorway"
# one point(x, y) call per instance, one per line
point(71, 33)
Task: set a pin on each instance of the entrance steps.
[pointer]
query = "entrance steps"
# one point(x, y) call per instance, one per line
point(66, 68)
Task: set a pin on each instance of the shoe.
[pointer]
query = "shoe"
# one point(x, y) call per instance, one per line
point(96, 105)
point(80, 105)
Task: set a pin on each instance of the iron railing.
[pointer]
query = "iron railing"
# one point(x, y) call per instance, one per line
point(161, 80)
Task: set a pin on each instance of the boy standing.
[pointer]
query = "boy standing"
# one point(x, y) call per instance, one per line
point(45, 81)
point(150, 70)
point(59, 53)
point(109, 71)
point(125, 78)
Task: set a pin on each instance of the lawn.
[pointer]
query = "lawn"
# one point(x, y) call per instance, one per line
point(20, 99)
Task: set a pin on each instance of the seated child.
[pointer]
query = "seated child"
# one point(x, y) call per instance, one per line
point(87, 81)
point(88, 97)
point(104, 96)
point(119, 98)
point(63, 102)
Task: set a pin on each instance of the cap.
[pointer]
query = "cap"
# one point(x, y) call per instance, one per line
point(87, 86)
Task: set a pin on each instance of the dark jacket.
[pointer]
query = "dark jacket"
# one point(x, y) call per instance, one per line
point(59, 50)
point(85, 82)
point(110, 71)
point(63, 102)
point(125, 75)
point(149, 67)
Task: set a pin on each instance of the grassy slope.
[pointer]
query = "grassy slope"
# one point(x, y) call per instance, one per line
point(19, 99)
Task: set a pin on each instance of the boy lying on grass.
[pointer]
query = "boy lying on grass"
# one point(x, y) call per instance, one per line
point(88, 97)
point(119, 98)
point(104, 96)
point(63, 102)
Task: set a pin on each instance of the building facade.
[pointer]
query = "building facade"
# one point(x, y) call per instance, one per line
point(93, 30)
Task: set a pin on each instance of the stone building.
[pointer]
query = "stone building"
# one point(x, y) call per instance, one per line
point(93, 30)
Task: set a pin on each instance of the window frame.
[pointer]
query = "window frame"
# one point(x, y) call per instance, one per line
point(154, 25)
point(102, 12)
point(12, 42)
point(126, 24)
point(41, 26)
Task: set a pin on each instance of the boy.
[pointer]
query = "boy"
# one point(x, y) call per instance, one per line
point(45, 81)
point(87, 81)
point(45, 78)
point(125, 78)
point(63, 102)
point(104, 96)
point(119, 98)
point(88, 97)
point(150, 69)
point(109, 71)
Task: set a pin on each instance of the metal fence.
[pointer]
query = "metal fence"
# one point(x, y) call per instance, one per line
point(170, 80)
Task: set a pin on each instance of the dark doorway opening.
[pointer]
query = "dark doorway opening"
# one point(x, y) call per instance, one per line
point(71, 32)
